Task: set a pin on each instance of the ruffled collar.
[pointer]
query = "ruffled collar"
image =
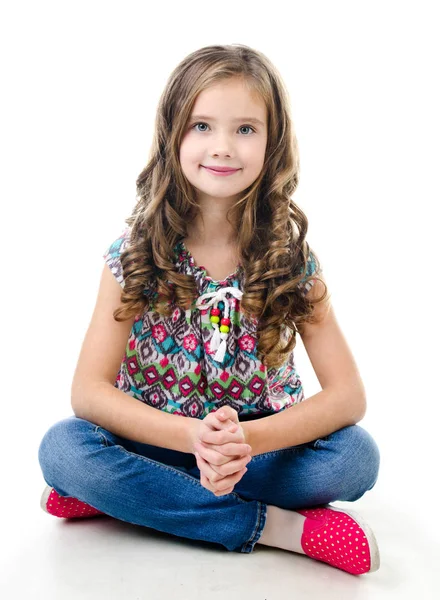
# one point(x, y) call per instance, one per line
point(185, 256)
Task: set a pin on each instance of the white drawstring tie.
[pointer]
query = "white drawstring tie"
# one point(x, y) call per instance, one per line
point(213, 299)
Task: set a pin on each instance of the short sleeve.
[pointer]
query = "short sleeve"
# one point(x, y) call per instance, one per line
point(312, 269)
point(112, 255)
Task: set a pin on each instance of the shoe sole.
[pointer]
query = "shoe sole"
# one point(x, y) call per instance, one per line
point(45, 497)
point(371, 539)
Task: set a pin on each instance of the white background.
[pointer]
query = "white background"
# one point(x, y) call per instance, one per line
point(80, 86)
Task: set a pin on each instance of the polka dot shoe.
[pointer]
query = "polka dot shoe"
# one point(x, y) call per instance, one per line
point(340, 538)
point(65, 506)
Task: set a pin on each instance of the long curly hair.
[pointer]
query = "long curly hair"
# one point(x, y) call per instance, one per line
point(270, 228)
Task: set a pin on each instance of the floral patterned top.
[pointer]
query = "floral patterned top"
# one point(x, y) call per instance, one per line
point(184, 365)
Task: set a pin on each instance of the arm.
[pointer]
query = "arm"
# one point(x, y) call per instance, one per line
point(93, 395)
point(318, 416)
point(341, 402)
point(119, 413)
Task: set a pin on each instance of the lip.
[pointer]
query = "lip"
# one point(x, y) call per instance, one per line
point(220, 169)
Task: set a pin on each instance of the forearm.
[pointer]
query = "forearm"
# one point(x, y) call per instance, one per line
point(127, 417)
point(317, 416)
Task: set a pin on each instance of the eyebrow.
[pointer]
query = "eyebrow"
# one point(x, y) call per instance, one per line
point(249, 119)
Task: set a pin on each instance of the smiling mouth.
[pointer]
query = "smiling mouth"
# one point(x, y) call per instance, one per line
point(220, 169)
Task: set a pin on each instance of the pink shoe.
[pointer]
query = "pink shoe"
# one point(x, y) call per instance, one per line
point(65, 506)
point(340, 538)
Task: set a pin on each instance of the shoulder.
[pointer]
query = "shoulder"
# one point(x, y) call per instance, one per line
point(313, 268)
point(113, 252)
point(118, 245)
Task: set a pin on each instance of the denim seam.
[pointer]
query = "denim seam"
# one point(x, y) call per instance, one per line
point(102, 436)
point(258, 529)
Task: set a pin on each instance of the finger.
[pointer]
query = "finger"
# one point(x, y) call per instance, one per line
point(221, 423)
point(204, 481)
point(220, 455)
point(210, 471)
point(230, 449)
point(224, 492)
point(211, 456)
point(226, 438)
point(211, 425)
point(222, 467)
point(213, 483)
point(222, 436)
point(220, 414)
point(226, 486)
point(207, 470)
point(233, 466)
point(225, 413)
point(219, 470)
point(228, 426)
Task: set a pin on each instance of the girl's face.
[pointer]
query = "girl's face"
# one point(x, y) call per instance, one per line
point(221, 133)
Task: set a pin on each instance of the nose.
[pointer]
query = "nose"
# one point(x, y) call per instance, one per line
point(221, 145)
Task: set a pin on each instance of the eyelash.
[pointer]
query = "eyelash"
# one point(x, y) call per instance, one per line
point(202, 123)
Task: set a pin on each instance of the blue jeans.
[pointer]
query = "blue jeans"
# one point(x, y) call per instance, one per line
point(160, 488)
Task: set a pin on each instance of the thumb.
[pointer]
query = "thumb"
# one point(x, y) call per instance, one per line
point(227, 412)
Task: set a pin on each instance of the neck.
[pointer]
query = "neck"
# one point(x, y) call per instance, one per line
point(212, 237)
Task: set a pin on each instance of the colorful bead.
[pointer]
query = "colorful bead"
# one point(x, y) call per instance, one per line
point(215, 316)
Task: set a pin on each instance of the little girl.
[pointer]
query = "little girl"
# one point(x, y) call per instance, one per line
point(201, 430)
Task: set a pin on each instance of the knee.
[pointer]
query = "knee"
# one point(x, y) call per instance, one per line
point(369, 454)
point(58, 446)
point(362, 461)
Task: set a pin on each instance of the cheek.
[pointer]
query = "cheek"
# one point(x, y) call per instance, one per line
point(261, 157)
point(255, 161)
point(189, 154)
point(254, 153)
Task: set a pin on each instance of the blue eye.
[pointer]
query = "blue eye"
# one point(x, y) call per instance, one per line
point(247, 127)
point(242, 127)
point(198, 124)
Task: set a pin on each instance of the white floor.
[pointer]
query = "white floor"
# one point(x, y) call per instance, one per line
point(49, 558)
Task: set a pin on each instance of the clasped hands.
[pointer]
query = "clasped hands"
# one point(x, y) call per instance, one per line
point(219, 445)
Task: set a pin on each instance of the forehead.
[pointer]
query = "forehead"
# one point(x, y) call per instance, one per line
point(231, 100)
